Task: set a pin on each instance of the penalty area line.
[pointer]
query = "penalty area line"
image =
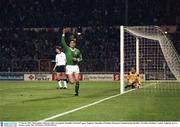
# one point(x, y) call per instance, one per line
point(88, 105)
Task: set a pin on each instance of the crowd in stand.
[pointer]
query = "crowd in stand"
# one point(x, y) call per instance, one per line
point(55, 13)
point(23, 47)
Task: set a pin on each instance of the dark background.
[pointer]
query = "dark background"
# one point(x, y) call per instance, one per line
point(55, 13)
point(21, 49)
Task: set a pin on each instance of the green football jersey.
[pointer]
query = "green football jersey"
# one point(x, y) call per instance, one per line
point(71, 53)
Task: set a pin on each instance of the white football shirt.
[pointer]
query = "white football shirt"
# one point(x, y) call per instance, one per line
point(61, 59)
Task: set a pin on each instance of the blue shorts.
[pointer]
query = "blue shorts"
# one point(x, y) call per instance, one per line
point(60, 69)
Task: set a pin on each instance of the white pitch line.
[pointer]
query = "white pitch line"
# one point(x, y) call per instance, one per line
point(88, 105)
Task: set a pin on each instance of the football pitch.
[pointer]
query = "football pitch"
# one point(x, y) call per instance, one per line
point(98, 101)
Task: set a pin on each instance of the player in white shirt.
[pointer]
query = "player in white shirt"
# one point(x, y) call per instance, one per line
point(60, 68)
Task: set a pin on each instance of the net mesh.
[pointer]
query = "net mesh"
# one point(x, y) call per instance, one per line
point(158, 57)
point(159, 63)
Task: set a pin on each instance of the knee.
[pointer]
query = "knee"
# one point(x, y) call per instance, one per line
point(57, 78)
point(71, 81)
point(77, 80)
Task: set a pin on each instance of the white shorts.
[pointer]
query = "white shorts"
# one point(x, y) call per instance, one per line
point(70, 69)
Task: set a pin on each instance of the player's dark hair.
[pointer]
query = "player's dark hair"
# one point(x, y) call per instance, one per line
point(74, 40)
point(59, 48)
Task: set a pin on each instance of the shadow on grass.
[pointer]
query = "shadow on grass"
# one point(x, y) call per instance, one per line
point(49, 98)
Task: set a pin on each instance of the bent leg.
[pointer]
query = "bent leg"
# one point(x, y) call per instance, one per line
point(71, 78)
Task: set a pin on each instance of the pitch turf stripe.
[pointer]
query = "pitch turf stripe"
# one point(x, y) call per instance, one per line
point(88, 105)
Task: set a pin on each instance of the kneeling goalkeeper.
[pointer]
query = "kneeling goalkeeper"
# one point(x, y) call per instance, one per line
point(73, 56)
point(131, 79)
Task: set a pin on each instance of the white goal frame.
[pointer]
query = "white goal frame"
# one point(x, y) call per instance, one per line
point(158, 35)
point(122, 58)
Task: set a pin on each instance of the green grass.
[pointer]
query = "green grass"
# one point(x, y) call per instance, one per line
point(20, 100)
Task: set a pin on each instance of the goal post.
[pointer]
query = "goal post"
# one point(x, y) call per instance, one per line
point(150, 52)
point(121, 59)
point(137, 55)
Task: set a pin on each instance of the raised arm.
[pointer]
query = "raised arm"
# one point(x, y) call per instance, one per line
point(63, 42)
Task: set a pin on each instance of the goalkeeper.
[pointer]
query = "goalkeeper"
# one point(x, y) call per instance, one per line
point(137, 81)
point(132, 79)
point(73, 56)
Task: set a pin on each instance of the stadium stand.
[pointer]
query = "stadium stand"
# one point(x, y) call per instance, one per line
point(21, 49)
point(54, 13)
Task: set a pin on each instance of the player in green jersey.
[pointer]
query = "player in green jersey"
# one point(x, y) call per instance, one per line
point(73, 57)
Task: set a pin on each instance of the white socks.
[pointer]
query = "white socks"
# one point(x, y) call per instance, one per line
point(60, 84)
point(65, 84)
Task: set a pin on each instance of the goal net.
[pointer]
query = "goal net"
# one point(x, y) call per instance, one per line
point(152, 54)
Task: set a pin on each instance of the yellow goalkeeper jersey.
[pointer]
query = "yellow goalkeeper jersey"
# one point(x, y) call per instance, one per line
point(132, 77)
point(138, 79)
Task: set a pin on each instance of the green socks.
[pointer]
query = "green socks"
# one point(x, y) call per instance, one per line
point(77, 88)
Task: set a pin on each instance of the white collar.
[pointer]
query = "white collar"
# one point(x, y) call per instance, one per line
point(73, 49)
point(60, 53)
